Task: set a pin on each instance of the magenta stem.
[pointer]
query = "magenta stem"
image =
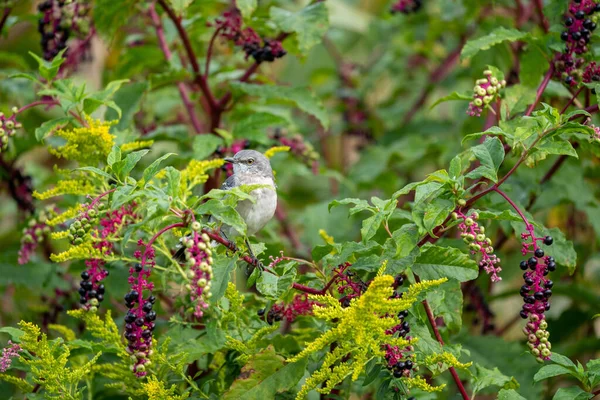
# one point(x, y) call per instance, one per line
point(528, 226)
point(541, 89)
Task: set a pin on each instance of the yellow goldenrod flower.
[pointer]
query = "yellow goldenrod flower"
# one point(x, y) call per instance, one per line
point(277, 149)
point(81, 252)
point(139, 144)
point(70, 186)
point(65, 216)
point(88, 144)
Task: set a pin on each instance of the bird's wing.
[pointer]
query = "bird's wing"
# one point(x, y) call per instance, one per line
point(229, 183)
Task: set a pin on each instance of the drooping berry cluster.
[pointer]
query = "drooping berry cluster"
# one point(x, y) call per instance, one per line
point(62, 20)
point(406, 6)
point(92, 290)
point(350, 285)
point(579, 23)
point(230, 28)
point(8, 353)
point(139, 320)
point(299, 148)
point(536, 293)
point(8, 128)
point(300, 305)
point(199, 260)
point(35, 233)
point(473, 234)
point(399, 360)
point(231, 150)
point(484, 92)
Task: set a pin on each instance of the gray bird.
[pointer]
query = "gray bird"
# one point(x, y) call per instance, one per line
point(250, 168)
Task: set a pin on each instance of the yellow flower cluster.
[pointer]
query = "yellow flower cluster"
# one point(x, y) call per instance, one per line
point(156, 390)
point(195, 173)
point(140, 144)
point(325, 236)
point(49, 365)
point(277, 149)
point(87, 145)
point(359, 331)
point(420, 383)
point(446, 358)
point(66, 215)
point(69, 186)
point(83, 251)
point(59, 235)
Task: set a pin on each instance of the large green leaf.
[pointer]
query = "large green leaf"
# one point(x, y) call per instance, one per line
point(436, 262)
point(301, 97)
point(572, 393)
point(509, 394)
point(205, 145)
point(264, 376)
point(255, 126)
point(493, 38)
point(309, 24)
point(246, 7)
point(490, 155)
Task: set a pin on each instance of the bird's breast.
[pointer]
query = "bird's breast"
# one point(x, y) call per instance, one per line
point(257, 214)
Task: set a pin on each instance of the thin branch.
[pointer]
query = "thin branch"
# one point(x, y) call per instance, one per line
point(571, 100)
point(539, 7)
point(541, 89)
point(4, 18)
point(183, 90)
point(209, 52)
point(199, 78)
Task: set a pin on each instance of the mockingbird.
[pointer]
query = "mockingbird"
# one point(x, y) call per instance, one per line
point(249, 168)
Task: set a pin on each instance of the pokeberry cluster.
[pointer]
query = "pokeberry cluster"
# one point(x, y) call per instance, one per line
point(536, 293)
point(400, 361)
point(34, 233)
point(82, 226)
point(484, 92)
point(62, 20)
point(300, 305)
point(298, 147)
point(91, 291)
point(473, 234)
point(406, 6)
point(139, 320)
point(580, 22)
point(198, 256)
point(230, 28)
point(8, 128)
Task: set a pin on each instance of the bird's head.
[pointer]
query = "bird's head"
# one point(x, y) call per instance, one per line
point(250, 162)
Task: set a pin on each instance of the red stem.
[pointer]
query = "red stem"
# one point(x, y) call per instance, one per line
point(571, 100)
point(163, 230)
point(539, 7)
point(199, 78)
point(97, 199)
point(4, 18)
point(528, 226)
point(51, 102)
point(183, 90)
point(209, 52)
point(541, 89)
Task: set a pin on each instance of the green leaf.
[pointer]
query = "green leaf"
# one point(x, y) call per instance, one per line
point(114, 156)
point(264, 376)
point(453, 97)
point(221, 275)
point(371, 225)
point(562, 250)
point(447, 301)
point(96, 171)
point(548, 371)
point(572, 393)
point(255, 126)
point(485, 377)
point(359, 205)
point(509, 394)
point(14, 333)
point(266, 284)
point(122, 195)
point(223, 213)
point(124, 167)
point(103, 97)
point(406, 239)
point(493, 38)
point(127, 99)
point(436, 212)
point(48, 127)
point(303, 98)
point(563, 360)
point(49, 69)
point(246, 7)
point(174, 181)
point(436, 262)
point(154, 167)
point(490, 154)
point(309, 24)
point(205, 145)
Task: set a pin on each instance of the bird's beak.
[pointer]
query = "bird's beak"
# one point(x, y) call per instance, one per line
point(229, 160)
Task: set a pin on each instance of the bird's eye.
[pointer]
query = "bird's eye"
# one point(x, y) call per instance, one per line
point(250, 161)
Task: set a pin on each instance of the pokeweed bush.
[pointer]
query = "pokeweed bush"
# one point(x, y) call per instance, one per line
point(436, 235)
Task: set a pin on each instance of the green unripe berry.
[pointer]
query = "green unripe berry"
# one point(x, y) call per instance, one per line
point(77, 224)
point(93, 309)
point(535, 352)
point(462, 202)
point(478, 102)
point(78, 241)
point(469, 222)
point(546, 353)
point(480, 237)
point(94, 302)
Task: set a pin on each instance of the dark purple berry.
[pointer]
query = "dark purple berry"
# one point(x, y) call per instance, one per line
point(400, 365)
point(576, 35)
point(545, 272)
point(569, 21)
point(528, 281)
point(552, 266)
point(529, 299)
point(564, 36)
point(101, 289)
point(128, 327)
point(547, 307)
point(539, 253)
point(130, 317)
point(409, 364)
point(523, 314)
point(261, 312)
point(548, 240)
point(548, 284)
point(151, 326)
point(151, 316)
point(539, 295)
point(85, 275)
point(569, 80)
point(532, 262)
point(399, 281)
point(86, 285)
point(138, 267)
point(146, 334)
point(92, 293)
point(100, 298)
point(152, 299)
point(403, 314)
point(523, 265)
point(82, 300)
point(129, 305)
point(82, 291)
point(397, 373)
point(139, 321)
point(147, 307)
point(579, 15)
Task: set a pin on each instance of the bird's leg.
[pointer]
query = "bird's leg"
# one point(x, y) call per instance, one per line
point(231, 246)
point(257, 264)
